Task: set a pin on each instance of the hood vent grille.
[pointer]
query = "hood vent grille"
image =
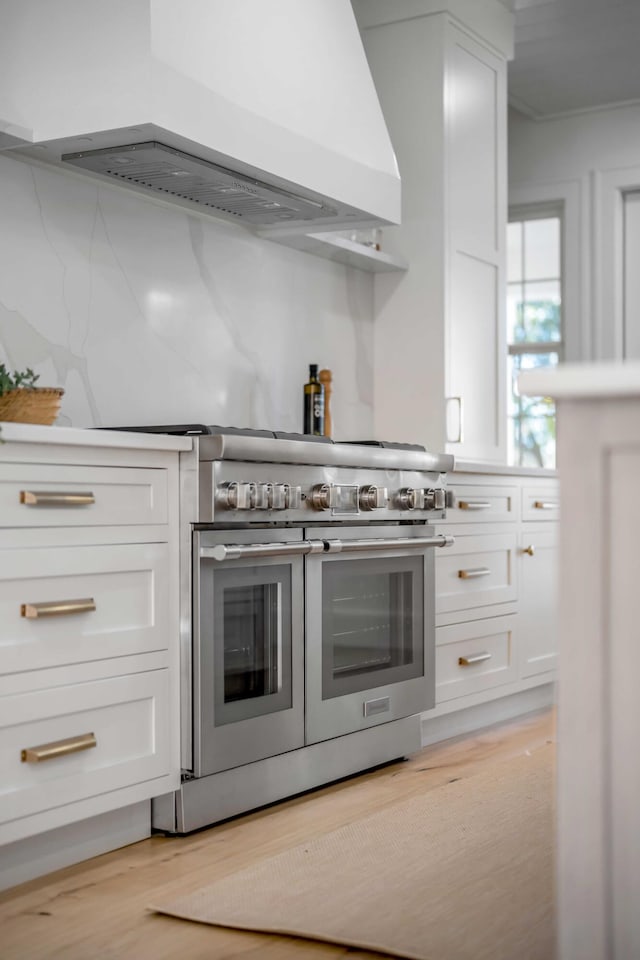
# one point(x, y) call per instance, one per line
point(177, 175)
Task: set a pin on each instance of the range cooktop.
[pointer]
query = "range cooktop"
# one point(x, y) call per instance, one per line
point(201, 429)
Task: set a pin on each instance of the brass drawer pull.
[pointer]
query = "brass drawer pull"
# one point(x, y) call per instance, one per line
point(59, 748)
point(474, 573)
point(544, 505)
point(474, 658)
point(51, 498)
point(530, 550)
point(474, 504)
point(56, 608)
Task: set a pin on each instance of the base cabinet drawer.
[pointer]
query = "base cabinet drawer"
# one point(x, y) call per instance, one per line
point(475, 656)
point(68, 744)
point(482, 503)
point(63, 605)
point(476, 571)
point(57, 495)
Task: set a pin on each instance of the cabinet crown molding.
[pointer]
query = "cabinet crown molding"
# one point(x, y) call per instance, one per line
point(490, 20)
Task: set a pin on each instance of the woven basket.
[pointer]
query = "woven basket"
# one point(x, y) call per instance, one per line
point(31, 404)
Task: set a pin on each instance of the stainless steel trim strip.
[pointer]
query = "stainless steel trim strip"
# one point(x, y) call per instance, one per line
point(240, 551)
point(267, 450)
point(405, 543)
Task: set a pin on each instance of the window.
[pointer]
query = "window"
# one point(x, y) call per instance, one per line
point(534, 329)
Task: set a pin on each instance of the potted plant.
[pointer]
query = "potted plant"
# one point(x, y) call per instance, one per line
point(22, 402)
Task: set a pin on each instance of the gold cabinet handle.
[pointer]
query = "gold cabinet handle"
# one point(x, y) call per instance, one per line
point(56, 608)
point(530, 550)
point(474, 504)
point(474, 658)
point(58, 748)
point(474, 573)
point(52, 498)
point(544, 505)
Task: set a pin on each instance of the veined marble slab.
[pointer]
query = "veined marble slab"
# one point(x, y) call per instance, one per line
point(145, 313)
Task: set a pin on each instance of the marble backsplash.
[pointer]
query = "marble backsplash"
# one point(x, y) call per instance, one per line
point(149, 314)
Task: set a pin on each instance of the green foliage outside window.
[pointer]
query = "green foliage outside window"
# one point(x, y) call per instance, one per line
point(533, 419)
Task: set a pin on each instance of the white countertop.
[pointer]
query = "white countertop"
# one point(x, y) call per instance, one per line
point(500, 469)
point(604, 379)
point(75, 436)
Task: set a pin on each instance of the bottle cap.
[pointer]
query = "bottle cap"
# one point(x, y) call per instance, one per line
point(313, 370)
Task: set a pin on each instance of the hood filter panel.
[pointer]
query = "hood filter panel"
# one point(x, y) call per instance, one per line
point(176, 175)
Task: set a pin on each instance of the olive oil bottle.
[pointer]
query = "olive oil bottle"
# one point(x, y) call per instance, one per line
point(313, 420)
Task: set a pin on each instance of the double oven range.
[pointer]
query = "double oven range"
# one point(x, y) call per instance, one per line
point(307, 614)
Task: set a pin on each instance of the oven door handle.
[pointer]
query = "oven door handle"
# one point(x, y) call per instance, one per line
point(242, 551)
point(408, 543)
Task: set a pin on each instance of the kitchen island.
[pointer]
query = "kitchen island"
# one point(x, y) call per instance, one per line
point(598, 410)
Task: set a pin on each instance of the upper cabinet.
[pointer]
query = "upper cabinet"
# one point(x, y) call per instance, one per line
point(440, 373)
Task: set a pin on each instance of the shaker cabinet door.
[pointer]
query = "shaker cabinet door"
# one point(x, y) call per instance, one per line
point(537, 620)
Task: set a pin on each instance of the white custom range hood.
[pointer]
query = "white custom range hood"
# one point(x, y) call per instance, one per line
point(258, 111)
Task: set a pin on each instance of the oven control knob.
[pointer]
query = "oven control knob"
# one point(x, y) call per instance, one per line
point(321, 496)
point(434, 499)
point(263, 496)
point(279, 496)
point(371, 497)
point(293, 498)
point(411, 499)
point(237, 496)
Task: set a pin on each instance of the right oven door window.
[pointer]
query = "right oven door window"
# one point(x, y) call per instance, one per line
point(372, 623)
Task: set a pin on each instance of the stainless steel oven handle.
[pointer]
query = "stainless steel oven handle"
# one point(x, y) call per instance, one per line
point(242, 551)
point(408, 543)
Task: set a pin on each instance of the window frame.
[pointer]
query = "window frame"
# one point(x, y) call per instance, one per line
point(522, 213)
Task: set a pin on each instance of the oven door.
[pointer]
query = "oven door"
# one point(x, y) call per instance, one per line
point(248, 646)
point(370, 628)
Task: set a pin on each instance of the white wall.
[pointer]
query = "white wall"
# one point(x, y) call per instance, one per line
point(585, 159)
point(148, 314)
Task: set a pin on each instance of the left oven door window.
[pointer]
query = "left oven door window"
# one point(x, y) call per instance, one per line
point(252, 629)
point(252, 642)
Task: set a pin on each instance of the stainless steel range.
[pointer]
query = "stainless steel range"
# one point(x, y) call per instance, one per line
point(307, 609)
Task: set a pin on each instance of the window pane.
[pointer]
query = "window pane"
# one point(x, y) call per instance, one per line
point(533, 312)
point(542, 249)
point(514, 252)
point(532, 420)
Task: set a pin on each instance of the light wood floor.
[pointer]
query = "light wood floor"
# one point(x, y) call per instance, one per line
point(98, 910)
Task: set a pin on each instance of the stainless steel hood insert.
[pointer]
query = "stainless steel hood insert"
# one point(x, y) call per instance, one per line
point(175, 174)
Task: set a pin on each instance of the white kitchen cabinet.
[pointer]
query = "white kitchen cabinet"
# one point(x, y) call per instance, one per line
point(496, 596)
point(440, 369)
point(477, 571)
point(475, 657)
point(89, 647)
point(537, 632)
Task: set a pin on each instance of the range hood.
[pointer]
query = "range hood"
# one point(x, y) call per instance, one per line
point(259, 112)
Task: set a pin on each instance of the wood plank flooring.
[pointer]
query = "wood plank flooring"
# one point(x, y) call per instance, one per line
point(98, 910)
